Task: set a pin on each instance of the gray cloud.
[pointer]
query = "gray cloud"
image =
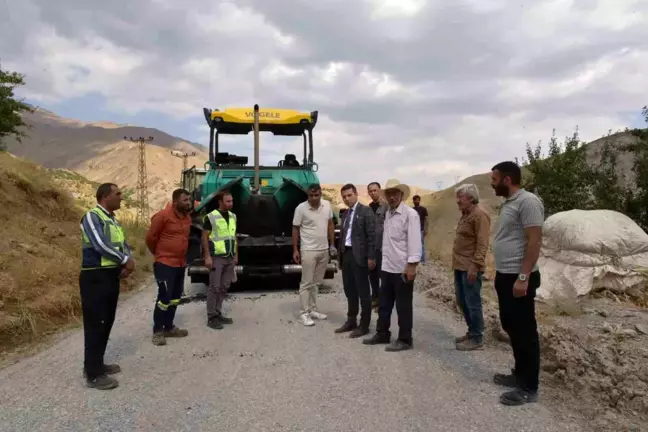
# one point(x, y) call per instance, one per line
point(469, 82)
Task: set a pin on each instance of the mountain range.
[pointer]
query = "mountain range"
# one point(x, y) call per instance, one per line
point(99, 152)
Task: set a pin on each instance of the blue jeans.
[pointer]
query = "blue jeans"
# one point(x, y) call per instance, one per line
point(469, 298)
point(422, 246)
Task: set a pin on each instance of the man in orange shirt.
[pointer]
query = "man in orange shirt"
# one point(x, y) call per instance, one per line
point(168, 239)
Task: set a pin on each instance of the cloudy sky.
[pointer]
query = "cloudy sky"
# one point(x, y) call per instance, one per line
point(425, 91)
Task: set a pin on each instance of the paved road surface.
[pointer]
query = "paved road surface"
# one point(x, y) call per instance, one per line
point(266, 373)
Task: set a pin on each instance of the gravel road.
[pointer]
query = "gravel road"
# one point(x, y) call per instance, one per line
point(267, 373)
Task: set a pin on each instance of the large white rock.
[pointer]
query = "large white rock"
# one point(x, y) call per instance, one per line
point(590, 249)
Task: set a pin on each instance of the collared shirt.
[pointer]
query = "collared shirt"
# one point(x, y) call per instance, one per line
point(375, 205)
point(93, 226)
point(313, 225)
point(521, 210)
point(471, 240)
point(401, 239)
point(348, 221)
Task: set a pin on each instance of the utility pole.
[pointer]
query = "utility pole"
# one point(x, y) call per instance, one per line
point(184, 157)
point(142, 180)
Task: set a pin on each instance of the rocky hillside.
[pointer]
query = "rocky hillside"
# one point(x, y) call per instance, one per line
point(98, 152)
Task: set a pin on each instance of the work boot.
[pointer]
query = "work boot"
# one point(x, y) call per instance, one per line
point(518, 397)
point(377, 339)
point(359, 332)
point(215, 323)
point(111, 369)
point(225, 320)
point(398, 345)
point(347, 326)
point(176, 332)
point(159, 339)
point(102, 382)
point(470, 345)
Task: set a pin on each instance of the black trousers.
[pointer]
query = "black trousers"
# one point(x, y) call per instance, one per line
point(517, 316)
point(170, 282)
point(355, 279)
point(99, 295)
point(394, 289)
point(374, 276)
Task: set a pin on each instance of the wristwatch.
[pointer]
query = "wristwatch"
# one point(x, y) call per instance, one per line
point(522, 277)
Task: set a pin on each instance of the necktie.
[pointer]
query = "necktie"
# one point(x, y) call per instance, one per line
point(347, 222)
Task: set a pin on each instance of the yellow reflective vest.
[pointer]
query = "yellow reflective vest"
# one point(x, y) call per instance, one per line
point(112, 243)
point(223, 234)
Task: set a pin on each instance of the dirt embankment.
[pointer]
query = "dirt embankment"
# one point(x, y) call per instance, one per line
point(594, 349)
point(40, 244)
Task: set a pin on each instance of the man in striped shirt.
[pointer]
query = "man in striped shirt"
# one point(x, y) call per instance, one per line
point(517, 244)
point(106, 257)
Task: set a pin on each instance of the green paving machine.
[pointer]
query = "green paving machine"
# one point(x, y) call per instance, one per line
point(265, 196)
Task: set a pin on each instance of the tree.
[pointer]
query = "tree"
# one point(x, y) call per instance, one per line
point(563, 179)
point(609, 194)
point(11, 121)
point(637, 203)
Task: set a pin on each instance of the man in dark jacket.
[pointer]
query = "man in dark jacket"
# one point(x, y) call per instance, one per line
point(379, 207)
point(357, 257)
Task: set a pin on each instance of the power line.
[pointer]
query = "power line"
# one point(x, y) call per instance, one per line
point(184, 157)
point(142, 180)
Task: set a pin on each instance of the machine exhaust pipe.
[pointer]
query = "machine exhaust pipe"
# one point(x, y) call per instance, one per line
point(285, 269)
point(257, 184)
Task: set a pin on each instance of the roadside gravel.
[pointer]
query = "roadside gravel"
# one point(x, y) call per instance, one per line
point(267, 373)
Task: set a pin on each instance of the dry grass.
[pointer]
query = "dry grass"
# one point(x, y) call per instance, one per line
point(40, 244)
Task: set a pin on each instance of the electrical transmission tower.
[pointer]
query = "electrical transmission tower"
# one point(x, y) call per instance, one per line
point(184, 157)
point(142, 180)
point(439, 185)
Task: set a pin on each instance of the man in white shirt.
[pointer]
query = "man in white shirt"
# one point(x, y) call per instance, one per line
point(313, 225)
point(401, 253)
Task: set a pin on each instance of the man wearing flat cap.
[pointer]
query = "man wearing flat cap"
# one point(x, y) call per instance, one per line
point(401, 253)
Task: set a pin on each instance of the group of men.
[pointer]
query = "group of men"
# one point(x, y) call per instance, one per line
point(107, 258)
point(379, 249)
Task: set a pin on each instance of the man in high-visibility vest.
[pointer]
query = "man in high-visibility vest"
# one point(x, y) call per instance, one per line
point(220, 249)
point(106, 258)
